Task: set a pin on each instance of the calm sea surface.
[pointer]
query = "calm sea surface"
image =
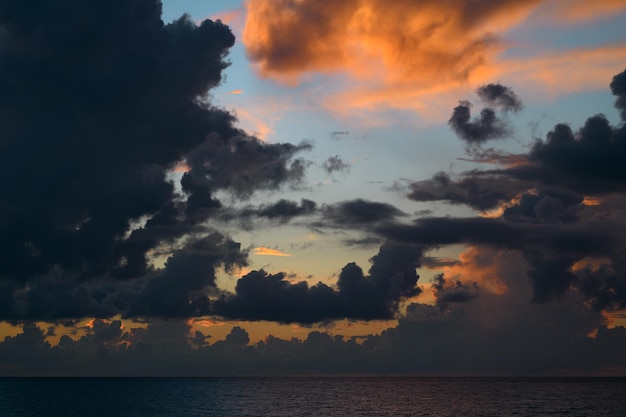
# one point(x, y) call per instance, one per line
point(67, 397)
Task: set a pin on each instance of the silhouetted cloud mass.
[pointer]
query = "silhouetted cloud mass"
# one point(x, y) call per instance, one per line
point(456, 292)
point(102, 105)
point(479, 191)
point(392, 278)
point(99, 101)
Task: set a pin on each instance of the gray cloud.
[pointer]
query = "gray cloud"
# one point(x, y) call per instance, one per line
point(335, 164)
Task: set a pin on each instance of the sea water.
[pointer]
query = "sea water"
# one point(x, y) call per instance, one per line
point(305, 396)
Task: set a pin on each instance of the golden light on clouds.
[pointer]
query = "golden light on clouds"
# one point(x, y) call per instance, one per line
point(499, 211)
point(261, 250)
point(420, 56)
point(181, 167)
point(584, 10)
point(591, 201)
point(480, 265)
point(205, 322)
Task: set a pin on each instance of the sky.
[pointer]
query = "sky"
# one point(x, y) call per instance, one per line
point(295, 187)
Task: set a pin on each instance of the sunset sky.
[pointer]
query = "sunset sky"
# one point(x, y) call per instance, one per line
point(224, 187)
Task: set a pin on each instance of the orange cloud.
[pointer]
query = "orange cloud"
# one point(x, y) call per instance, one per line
point(420, 56)
point(559, 72)
point(256, 126)
point(236, 92)
point(592, 201)
point(499, 211)
point(478, 265)
point(261, 250)
point(585, 10)
point(368, 38)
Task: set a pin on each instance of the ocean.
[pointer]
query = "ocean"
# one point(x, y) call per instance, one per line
point(312, 396)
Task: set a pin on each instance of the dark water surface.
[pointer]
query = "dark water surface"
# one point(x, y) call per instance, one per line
point(68, 397)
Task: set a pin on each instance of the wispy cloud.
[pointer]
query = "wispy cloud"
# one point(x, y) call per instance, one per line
point(264, 251)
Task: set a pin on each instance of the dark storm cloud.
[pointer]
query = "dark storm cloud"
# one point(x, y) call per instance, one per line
point(500, 97)
point(335, 164)
point(392, 278)
point(98, 102)
point(590, 161)
point(179, 290)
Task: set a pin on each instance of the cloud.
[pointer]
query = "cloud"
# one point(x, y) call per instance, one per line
point(420, 55)
point(97, 116)
point(561, 206)
point(499, 96)
point(290, 38)
point(263, 296)
point(479, 130)
point(531, 340)
point(477, 190)
point(456, 292)
point(338, 134)
point(261, 250)
point(335, 164)
point(358, 212)
point(495, 157)
point(284, 209)
point(489, 125)
point(580, 10)
point(281, 212)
